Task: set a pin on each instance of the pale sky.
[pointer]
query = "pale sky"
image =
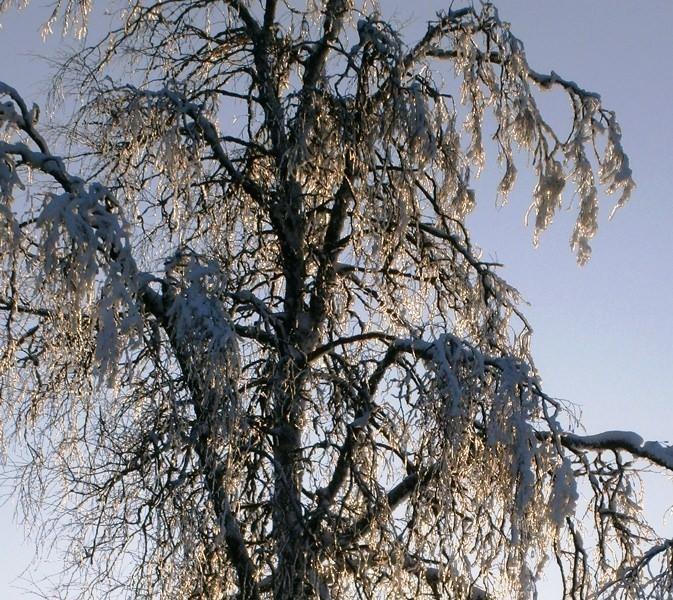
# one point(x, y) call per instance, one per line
point(603, 333)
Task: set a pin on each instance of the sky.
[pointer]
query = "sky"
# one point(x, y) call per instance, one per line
point(603, 332)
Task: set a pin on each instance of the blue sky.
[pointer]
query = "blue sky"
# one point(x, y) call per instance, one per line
point(603, 333)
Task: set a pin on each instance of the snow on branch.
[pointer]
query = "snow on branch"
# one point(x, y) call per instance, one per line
point(627, 441)
point(202, 333)
point(513, 416)
point(85, 249)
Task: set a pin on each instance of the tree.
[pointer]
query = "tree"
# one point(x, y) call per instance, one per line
point(259, 357)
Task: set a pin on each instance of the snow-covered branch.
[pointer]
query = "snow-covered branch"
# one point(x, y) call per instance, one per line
point(626, 441)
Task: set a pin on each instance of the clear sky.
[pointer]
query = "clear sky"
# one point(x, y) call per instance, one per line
point(604, 332)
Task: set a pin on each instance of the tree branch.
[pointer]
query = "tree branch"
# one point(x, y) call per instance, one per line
point(334, 14)
point(628, 441)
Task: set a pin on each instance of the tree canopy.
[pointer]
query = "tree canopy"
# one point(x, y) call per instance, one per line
point(248, 347)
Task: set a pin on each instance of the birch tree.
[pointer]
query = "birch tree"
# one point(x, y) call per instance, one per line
point(249, 349)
